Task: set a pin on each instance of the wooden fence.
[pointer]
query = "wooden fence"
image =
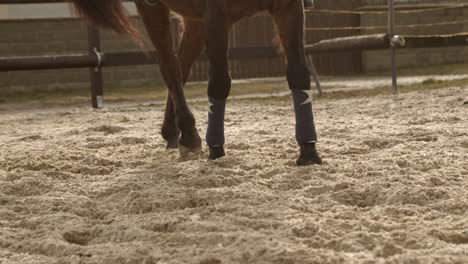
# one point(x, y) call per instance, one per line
point(251, 51)
point(251, 55)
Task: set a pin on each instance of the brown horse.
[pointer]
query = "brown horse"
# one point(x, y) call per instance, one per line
point(206, 25)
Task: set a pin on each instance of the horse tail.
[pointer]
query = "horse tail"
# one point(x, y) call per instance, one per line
point(108, 14)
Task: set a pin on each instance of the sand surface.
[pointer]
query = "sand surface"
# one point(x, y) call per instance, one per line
point(97, 186)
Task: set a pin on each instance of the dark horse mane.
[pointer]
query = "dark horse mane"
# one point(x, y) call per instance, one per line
point(109, 14)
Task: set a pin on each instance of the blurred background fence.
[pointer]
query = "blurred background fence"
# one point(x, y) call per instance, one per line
point(52, 36)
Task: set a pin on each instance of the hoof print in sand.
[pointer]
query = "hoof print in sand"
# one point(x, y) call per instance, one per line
point(81, 238)
point(307, 229)
point(107, 129)
point(133, 140)
point(210, 261)
point(452, 237)
point(359, 197)
point(388, 250)
point(31, 138)
point(381, 143)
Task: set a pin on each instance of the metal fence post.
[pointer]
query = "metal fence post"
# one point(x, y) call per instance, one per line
point(94, 48)
point(391, 29)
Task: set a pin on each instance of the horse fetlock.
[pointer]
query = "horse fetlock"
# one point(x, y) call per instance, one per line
point(172, 143)
point(170, 133)
point(190, 138)
point(189, 142)
point(216, 152)
point(308, 155)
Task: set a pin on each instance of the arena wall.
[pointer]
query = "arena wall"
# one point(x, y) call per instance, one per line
point(33, 37)
point(68, 35)
point(51, 36)
point(380, 60)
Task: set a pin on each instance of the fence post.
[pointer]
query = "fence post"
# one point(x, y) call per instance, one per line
point(94, 48)
point(391, 29)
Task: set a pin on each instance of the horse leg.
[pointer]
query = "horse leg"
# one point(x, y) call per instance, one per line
point(169, 130)
point(219, 84)
point(190, 48)
point(290, 23)
point(157, 22)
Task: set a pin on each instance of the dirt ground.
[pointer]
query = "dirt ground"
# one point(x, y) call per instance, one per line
point(97, 186)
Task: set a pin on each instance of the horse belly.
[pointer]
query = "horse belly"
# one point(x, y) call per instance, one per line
point(245, 8)
point(193, 9)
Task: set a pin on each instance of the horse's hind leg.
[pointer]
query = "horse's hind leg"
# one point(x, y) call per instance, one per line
point(191, 45)
point(290, 23)
point(156, 19)
point(219, 84)
point(169, 130)
point(190, 48)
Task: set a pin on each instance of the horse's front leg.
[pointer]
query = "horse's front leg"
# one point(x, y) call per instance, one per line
point(219, 84)
point(290, 23)
point(156, 19)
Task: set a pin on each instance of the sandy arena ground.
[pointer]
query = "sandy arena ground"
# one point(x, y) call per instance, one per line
point(85, 186)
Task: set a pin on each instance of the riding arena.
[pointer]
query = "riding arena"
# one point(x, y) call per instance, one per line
point(247, 131)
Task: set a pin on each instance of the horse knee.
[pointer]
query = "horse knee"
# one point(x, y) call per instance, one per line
point(170, 134)
point(219, 85)
point(298, 76)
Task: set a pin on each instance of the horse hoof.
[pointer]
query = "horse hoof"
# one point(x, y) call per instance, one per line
point(186, 151)
point(309, 155)
point(216, 152)
point(172, 144)
point(190, 139)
